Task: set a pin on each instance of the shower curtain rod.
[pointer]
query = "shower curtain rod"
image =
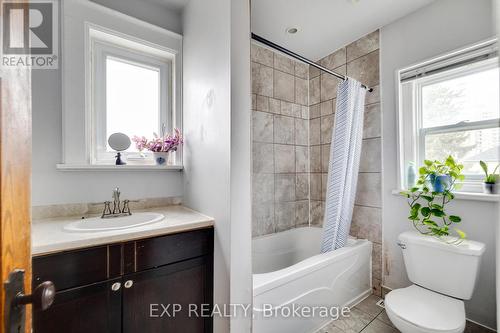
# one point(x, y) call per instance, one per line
point(301, 58)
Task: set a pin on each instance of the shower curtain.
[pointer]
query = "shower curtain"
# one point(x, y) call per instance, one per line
point(345, 151)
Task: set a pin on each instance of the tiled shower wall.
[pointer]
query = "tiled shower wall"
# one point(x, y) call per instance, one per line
point(290, 162)
point(359, 60)
point(280, 95)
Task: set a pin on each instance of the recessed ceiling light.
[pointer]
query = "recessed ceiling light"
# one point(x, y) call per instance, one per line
point(292, 30)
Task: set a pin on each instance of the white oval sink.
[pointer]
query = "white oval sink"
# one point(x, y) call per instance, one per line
point(113, 223)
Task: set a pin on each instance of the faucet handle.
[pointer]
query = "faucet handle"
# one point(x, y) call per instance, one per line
point(116, 193)
point(126, 208)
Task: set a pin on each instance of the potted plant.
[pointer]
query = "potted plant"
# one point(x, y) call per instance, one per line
point(490, 179)
point(428, 199)
point(160, 146)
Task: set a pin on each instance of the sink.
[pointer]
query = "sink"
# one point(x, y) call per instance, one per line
point(114, 223)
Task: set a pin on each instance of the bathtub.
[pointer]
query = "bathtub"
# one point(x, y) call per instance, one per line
point(289, 271)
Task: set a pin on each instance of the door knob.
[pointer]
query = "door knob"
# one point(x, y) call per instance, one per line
point(42, 297)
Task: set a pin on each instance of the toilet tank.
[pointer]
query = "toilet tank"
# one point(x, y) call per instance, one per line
point(436, 265)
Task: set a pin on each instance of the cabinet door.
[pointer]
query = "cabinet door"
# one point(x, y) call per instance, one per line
point(148, 293)
point(94, 308)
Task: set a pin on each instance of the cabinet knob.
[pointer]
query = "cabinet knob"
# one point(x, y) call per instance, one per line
point(129, 284)
point(116, 286)
point(42, 298)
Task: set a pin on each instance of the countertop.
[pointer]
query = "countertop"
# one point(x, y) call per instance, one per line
point(48, 235)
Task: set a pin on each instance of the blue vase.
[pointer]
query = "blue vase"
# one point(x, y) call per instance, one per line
point(440, 183)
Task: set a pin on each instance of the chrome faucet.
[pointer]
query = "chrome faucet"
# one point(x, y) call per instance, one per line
point(118, 208)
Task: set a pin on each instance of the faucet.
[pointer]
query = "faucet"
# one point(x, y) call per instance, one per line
point(118, 208)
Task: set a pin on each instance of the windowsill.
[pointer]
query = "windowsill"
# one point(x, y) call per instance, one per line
point(475, 196)
point(112, 167)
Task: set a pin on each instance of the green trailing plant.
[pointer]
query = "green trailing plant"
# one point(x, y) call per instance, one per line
point(490, 178)
point(428, 208)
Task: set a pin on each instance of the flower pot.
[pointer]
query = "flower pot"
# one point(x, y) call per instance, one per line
point(440, 183)
point(162, 158)
point(490, 188)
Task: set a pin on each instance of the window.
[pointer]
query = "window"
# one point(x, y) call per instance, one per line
point(450, 106)
point(131, 93)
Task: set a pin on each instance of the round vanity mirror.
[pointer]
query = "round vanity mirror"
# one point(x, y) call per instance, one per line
point(119, 141)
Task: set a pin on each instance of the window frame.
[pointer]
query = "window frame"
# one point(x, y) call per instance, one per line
point(411, 132)
point(100, 51)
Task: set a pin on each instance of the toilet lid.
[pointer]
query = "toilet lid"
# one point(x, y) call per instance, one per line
point(426, 309)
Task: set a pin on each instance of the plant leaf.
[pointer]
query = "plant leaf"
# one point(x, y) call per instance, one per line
point(455, 219)
point(437, 212)
point(461, 234)
point(484, 166)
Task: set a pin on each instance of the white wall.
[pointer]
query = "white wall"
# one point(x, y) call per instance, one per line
point(207, 128)
point(51, 186)
point(443, 26)
point(151, 11)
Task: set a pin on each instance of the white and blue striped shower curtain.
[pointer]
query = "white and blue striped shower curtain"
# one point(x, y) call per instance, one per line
point(343, 167)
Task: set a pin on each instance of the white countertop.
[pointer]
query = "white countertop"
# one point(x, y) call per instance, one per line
point(48, 235)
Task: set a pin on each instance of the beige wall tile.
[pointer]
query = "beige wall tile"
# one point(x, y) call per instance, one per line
point(329, 84)
point(367, 223)
point(377, 287)
point(284, 187)
point(326, 107)
point(374, 96)
point(371, 156)
point(325, 157)
point(284, 156)
point(262, 124)
point(262, 187)
point(363, 46)
point(261, 55)
point(263, 157)
point(254, 102)
point(315, 131)
point(301, 159)
point(317, 213)
point(301, 70)
point(301, 132)
point(304, 112)
point(284, 216)
point(315, 156)
point(313, 72)
point(284, 64)
point(369, 190)
point(302, 186)
point(314, 111)
point(301, 213)
point(284, 130)
point(315, 186)
point(301, 91)
point(284, 86)
point(263, 219)
point(372, 127)
point(334, 60)
point(262, 103)
point(326, 129)
point(274, 106)
point(262, 80)
point(314, 90)
point(377, 261)
point(324, 180)
point(365, 69)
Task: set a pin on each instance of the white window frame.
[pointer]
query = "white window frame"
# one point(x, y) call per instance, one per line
point(100, 51)
point(411, 132)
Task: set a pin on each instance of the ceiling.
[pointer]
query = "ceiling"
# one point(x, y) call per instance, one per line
point(325, 25)
point(176, 5)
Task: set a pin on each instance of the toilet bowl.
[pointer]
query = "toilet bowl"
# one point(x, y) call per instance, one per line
point(444, 274)
point(417, 310)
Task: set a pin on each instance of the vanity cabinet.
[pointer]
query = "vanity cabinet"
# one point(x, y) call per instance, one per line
point(151, 285)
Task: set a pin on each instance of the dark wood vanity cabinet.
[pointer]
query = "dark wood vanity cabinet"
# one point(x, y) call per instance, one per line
point(151, 285)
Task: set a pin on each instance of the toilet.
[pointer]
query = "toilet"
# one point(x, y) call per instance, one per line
point(443, 275)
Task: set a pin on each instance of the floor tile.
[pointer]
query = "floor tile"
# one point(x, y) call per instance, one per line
point(330, 328)
point(384, 318)
point(378, 326)
point(356, 321)
point(369, 306)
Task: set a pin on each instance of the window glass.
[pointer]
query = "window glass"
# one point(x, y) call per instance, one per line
point(469, 97)
point(132, 98)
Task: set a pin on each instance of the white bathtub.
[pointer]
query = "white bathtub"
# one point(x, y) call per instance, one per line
point(288, 269)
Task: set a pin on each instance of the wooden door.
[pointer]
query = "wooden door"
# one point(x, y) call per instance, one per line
point(147, 294)
point(15, 177)
point(94, 308)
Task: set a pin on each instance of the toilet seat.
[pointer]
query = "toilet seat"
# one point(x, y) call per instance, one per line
point(416, 310)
